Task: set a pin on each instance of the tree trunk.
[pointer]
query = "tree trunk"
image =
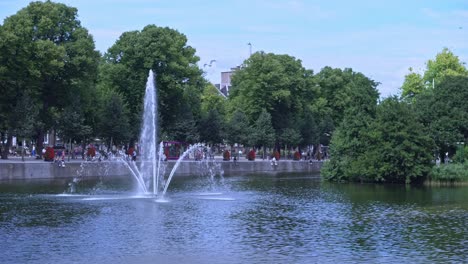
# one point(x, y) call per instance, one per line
point(22, 150)
point(39, 144)
point(70, 150)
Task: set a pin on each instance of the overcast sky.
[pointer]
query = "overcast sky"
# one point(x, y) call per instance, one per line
point(381, 39)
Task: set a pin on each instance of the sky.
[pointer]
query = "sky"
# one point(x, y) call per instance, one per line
point(381, 39)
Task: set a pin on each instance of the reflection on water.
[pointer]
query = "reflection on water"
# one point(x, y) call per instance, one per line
point(254, 219)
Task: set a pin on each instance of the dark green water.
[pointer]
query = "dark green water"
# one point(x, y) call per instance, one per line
point(254, 219)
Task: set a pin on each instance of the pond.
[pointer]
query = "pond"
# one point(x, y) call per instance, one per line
point(245, 219)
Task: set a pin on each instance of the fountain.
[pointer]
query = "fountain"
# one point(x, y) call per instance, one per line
point(150, 172)
point(148, 137)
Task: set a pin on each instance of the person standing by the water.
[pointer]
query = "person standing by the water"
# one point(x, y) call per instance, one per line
point(62, 162)
point(134, 155)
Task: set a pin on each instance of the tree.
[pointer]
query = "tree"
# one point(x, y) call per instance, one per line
point(344, 89)
point(185, 129)
point(290, 137)
point(212, 99)
point(400, 149)
point(238, 129)
point(392, 147)
point(413, 85)
point(24, 119)
point(114, 124)
point(348, 144)
point(166, 52)
point(278, 84)
point(444, 64)
point(44, 49)
point(325, 130)
point(71, 123)
point(211, 128)
point(309, 129)
point(263, 132)
point(445, 112)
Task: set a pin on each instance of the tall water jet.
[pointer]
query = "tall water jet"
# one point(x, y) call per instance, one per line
point(148, 136)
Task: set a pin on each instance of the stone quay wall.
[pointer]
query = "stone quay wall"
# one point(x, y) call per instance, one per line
point(28, 170)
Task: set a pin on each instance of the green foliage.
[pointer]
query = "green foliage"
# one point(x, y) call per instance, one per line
point(23, 117)
point(413, 85)
point(238, 129)
point(47, 54)
point(71, 122)
point(350, 141)
point(166, 52)
point(462, 153)
point(348, 144)
point(445, 112)
point(211, 127)
point(457, 172)
point(114, 123)
point(342, 90)
point(392, 147)
point(185, 130)
point(309, 130)
point(445, 64)
point(263, 133)
point(212, 99)
point(278, 84)
point(290, 137)
point(325, 129)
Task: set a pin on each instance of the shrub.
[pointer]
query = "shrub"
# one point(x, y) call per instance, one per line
point(251, 155)
point(49, 154)
point(226, 155)
point(455, 172)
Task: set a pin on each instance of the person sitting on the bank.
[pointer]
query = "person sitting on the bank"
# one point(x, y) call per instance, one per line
point(58, 156)
point(62, 162)
point(273, 162)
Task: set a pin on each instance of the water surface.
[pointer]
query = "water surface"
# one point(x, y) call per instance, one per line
point(248, 219)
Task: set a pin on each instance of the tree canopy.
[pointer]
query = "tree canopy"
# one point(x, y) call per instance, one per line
point(46, 53)
point(390, 146)
point(166, 52)
point(445, 64)
point(277, 83)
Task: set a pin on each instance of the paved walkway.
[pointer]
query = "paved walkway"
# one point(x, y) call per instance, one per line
point(12, 159)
